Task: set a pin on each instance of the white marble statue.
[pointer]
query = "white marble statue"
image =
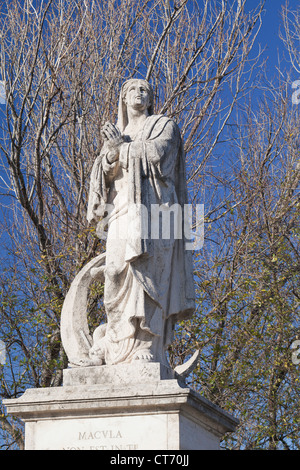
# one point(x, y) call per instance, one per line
point(148, 281)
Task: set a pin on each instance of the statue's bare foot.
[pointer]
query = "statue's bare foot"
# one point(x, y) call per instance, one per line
point(143, 355)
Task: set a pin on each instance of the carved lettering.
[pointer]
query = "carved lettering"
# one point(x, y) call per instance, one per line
point(104, 434)
point(104, 447)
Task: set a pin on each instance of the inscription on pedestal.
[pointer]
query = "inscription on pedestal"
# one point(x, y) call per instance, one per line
point(98, 433)
point(94, 441)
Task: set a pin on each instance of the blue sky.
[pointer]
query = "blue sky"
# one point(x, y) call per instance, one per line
point(269, 33)
point(268, 36)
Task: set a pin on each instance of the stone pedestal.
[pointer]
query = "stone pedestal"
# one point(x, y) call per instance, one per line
point(125, 407)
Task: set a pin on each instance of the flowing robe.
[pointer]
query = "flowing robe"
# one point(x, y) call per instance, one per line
point(149, 282)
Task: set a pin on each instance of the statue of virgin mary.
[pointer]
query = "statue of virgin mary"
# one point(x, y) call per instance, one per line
point(148, 280)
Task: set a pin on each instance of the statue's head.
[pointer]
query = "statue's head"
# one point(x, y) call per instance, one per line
point(141, 83)
point(122, 112)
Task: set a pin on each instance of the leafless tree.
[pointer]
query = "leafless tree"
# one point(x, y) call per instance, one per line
point(291, 34)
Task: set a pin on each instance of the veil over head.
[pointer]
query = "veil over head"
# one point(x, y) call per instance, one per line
point(122, 108)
